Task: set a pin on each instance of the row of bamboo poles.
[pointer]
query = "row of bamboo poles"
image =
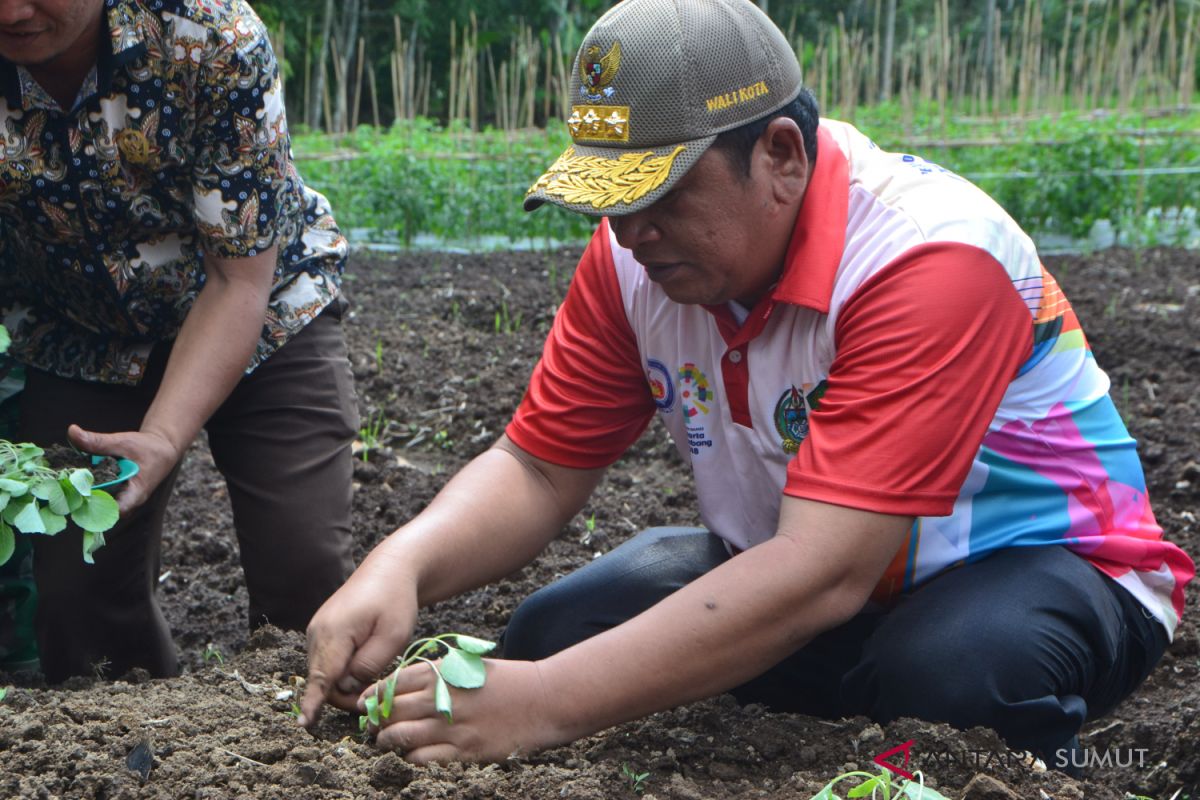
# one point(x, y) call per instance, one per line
point(1141, 55)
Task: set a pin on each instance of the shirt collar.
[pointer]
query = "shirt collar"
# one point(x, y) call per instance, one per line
point(126, 32)
point(819, 236)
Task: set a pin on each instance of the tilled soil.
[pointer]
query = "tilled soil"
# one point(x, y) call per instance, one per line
point(442, 346)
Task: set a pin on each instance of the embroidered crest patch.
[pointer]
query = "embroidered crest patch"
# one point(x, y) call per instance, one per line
point(791, 414)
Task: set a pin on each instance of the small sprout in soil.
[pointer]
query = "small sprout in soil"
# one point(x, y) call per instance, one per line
point(886, 785)
point(590, 523)
point(212, 653)
point(461, 667)
point(37, 498)
point(294, 711)
point(370, 435)
point(637, 780)
point(504, 323)
point(100, 668)
point(3, 693)
point(379, 356)
point(442, 439)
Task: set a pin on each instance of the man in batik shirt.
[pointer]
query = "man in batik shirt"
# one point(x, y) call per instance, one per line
point(162, 269)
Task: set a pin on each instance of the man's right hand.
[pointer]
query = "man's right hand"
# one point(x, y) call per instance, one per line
point(354, 637)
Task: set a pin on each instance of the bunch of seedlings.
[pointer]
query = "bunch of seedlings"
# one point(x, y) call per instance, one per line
point(38, 498)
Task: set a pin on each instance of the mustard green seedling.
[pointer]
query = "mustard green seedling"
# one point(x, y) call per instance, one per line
point(35, 498)
point(885, 785)
point(461, 667)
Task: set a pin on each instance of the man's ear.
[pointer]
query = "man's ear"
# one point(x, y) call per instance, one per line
point(780, 150)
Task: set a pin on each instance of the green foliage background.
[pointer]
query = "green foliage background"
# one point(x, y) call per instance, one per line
point(1050, 174)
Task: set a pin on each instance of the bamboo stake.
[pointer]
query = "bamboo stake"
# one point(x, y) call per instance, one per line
point(358, 84)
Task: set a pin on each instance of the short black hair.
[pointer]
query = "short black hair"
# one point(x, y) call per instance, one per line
point(739, 142)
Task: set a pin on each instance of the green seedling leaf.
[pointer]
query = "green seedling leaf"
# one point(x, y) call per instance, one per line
point(4, 498)
point(373, 710)
point(73, 497)
point(82, 480)
point(362, 723)
point(26, 519)
point(5, 341)
point(868, 787)
point(441, 699)
point(464, 670)
point(13, 488)
point(98, 512)
point(50, 491)
point(918, 791)
point(389, 694)
point(3, 693)
point(8, 542)
point(92, 541)
point(54, 523)
point(473, 645)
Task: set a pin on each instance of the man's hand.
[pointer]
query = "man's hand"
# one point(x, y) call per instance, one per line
point(154, 454)
point(509, 714)
point(355, 636)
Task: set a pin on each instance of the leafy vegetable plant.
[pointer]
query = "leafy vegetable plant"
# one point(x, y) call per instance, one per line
point(461, 666)
point(886, 785)
point(35, 498)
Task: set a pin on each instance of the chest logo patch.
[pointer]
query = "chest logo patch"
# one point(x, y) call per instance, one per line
point(695, 399)
point(791, 413)
point(662, 388)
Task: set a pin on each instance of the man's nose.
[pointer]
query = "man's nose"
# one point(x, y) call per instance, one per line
point(14, 11)
point(634, 229)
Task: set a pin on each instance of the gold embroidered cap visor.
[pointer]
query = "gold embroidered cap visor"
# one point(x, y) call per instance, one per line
point(653, 84)
point(610, 181)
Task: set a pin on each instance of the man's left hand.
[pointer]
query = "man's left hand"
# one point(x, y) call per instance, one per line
point(154, 454)
point(509, 715)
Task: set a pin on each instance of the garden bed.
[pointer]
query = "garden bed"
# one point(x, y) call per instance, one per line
point(442, 346)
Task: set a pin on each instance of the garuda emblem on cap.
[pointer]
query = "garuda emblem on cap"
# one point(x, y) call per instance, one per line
point(596, 72)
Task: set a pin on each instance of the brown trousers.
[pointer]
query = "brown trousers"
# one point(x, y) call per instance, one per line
point(281, 440)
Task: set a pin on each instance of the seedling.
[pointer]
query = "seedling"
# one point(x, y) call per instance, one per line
point(294, 712)
point(370, 433)
point(442, 439)
point(886, 785)
point(211, 653)
point(504, 323)
point(637, 780)
point(379, 356)
point(590, 523)
point(462, 667)
point(3, 693)
point(35, 498)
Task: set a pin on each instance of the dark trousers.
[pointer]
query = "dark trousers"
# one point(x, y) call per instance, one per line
point(281, 440)
point(1031, 642)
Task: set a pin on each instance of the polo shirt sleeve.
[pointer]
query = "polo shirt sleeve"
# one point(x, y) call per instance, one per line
point(588, 399)
point(240, 171)
point(926, 349)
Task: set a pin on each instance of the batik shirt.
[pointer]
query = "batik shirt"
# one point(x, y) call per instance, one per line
point(176, 147)
point(915, 359)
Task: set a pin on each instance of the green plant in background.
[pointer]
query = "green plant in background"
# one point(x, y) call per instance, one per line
point(637, 780)
point(370, 434)
point(211, 653)
point(504, 323)
point(442, 439)
point(379, 356)
point(462, 667)
point(590, 523)
point(1059, 173)
point(886, 785)
point(34, 498)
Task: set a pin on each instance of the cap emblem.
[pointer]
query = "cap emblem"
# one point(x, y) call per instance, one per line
point(586, 122)
point(596, 72)
point(604, 182)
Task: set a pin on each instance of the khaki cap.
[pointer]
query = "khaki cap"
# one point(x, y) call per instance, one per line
point(653, 84)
